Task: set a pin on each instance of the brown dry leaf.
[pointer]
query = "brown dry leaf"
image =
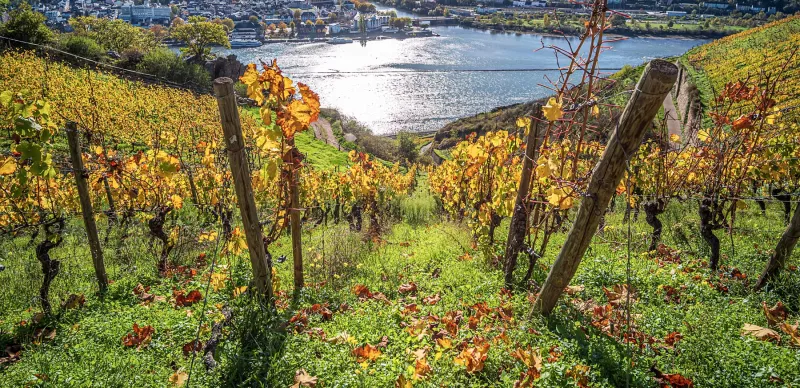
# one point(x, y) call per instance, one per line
point(408, 288)
point(529, 356)
point(572, 290)
point(366, 352)
point(776, 314)
point(618, 295)
point(580, 373)
point(762, 333)
point(178, 379)
point(303, 379)
point(527, 378)
point(74, 301)
point(140, 337)
point(402, 382)
point(431, 300)
point(192, 347)
point(792, 331)
point(444, 343)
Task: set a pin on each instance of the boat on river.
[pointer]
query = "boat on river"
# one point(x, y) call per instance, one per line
point(245, 43)
point(338, 40)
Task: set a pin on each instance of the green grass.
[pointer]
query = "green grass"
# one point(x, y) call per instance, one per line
point(260, 350)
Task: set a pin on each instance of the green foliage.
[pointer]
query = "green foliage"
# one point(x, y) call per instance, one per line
point(162, 62)
point(27, 25)
point(198, 35)
point(116, 34)
point(407, 146)
point(82, 46)
point(419, 208)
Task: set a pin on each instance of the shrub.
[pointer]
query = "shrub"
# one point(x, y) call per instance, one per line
point(164, 63)
point(83, 47)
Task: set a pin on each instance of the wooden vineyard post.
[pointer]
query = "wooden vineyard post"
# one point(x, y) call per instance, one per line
point(234, 143)
point(294, 223)
point(652, 88)
point(519, 220)
point(86, 206)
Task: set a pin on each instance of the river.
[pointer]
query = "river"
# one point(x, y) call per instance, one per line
point(421, 84)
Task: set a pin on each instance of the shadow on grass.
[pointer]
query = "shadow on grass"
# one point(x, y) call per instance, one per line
point(609, 357)
point(256, 343)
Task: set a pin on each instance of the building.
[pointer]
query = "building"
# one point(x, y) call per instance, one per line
point(715, 5)
point(334, 28)
point(371, 22)
point(678, 14)
point(145, 15)
point(529, 3)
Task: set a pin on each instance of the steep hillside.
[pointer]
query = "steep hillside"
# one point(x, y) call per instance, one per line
point(769, 50)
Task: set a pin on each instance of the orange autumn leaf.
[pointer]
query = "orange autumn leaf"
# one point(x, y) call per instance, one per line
point(674, 380)
point(295, 118)
point(530, 357)
point(402, 382)
point(473, 357)
point(193, 297)
point(140, 337)
point(366, 352)
point(421, 369)
point(742, 122)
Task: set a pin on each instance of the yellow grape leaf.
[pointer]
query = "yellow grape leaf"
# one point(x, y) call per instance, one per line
point(311, 99)
point(217, 281)
point(207, 236)
point(239, 291)
point(177, 201)
point(595, 111)
point(266, 115)
point(524, 122)
point(178, 379)
point(552, 111)
point(702, 135)
point(8, 166)
point(674, 138)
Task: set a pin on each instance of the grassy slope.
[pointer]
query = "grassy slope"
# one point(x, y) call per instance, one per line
point(746, 54)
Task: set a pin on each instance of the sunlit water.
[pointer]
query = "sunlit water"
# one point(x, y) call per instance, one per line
point(421, 84)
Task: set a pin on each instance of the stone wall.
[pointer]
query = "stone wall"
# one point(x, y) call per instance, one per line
point(688, 104)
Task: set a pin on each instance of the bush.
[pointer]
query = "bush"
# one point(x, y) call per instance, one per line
point(83, 47)
point(164, 63)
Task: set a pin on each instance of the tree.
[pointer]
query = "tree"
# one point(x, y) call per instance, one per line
point(159, 32)
point(198, 34)
point(670, 24)
point(28, 25)
point(617, 21)
point(253, 19)
point(176, 22)
point(407, 147)
point(297, 14)
point(546, 20)
point(116, 35)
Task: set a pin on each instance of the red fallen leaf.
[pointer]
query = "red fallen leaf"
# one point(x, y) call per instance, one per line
point(736, 274)
point(431, 300)
point(299, 321)
point(776, 314)
point(193, 297)
point(408, 288)
point(673, 380)
point(672, 338)
point(473, 358)
point(472, 323)
point(192, 347)
point(366, 352)
point(344, 307)
point(792, 268)
point(140, 337)
point(362, 292)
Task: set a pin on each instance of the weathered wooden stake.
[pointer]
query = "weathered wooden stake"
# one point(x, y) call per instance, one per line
point(294, 223)
point(656, 82)
point(86, 206)
point(234, 142)
point(519, 220)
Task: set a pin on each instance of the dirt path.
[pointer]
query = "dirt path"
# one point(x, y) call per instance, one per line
point(323, 131)
point(673, 120)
